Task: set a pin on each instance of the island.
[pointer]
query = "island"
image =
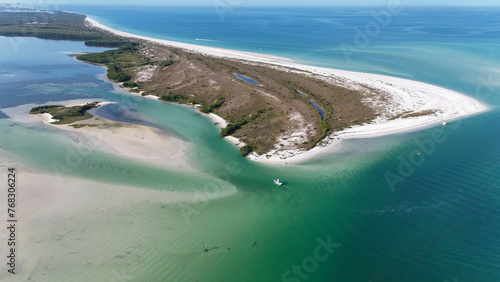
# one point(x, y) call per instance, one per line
point(273, 108)
point(60, 114)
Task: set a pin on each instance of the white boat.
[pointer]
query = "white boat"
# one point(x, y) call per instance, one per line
point(277, 181)
point(444, 123)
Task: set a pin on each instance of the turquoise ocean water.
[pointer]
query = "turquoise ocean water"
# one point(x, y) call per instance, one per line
point(370, 212)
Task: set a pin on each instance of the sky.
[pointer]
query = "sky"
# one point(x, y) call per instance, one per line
point(234, 3)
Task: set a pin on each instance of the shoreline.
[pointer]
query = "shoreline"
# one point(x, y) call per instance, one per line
point(217, 120)
point(125, 140)
point(403, 96)
point(212, 51)
point(222, 123)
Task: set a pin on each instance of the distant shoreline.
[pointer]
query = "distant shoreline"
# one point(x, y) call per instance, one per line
point(404, 96)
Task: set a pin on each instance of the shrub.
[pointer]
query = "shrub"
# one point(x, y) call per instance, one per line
point(130, 84)
point(115, 73)
point(173, 97)
point(230, 129)
point(165, 63)
point(209, 108)
point(245, 150)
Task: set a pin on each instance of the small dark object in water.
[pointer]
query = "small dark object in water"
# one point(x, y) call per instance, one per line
point(228, 249)
point(254, 243)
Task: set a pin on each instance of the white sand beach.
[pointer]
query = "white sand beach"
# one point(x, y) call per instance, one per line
point(221, 123)
point(131, 141)
point(400, 96)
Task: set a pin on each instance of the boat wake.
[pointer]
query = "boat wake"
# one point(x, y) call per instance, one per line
point(209, 40)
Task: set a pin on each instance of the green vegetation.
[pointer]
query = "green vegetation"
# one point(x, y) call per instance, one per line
point(105, 43)
point(211, 107)
point(82, 125)
point(178, 98)
point(232, 127)
point(174, 98)
point(56, 26)
point(124, 57)
point(117, 74)
point(131, 84)
point(163, 64)
point(411, 114)
point(116, 60)
point(325, 128)
point(43, 109)
point(245, 150)
point(66, 115)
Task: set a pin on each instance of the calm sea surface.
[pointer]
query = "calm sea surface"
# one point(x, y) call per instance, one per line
point(371, 212)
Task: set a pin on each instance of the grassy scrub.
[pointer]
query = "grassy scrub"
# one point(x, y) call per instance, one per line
point(117, 60)
point(66, 115)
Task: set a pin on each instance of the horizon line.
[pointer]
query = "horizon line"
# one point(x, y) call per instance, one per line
point(262, 6)
point(285, 6)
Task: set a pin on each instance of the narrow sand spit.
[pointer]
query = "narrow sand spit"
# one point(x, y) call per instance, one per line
point(400, 96)
point(140, 143)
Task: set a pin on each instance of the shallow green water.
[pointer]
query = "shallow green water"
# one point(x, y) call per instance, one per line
point(436, 222)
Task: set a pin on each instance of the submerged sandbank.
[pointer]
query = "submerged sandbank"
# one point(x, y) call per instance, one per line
point(71, 219)
point(138, 142)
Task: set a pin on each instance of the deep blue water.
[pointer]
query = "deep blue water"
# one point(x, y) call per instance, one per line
point(397, 218)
